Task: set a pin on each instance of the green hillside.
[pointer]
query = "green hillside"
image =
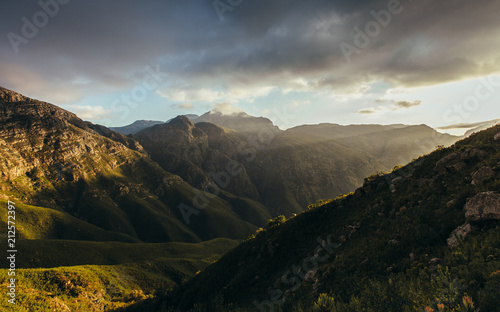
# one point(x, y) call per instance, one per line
point(399, 243)
point(91, 183)
point(67, 285)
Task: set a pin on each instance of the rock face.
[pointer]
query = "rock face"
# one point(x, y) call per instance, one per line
point(199, 154)
point(460, 233)
point(458, 161)
point(50, 158)
point(452, 162)
point(483, 207)
point(482, 174)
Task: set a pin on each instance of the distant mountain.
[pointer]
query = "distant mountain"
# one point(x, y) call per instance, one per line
point(99, 180)
point(136, 126)
point(307, 163)
point(241, 122)
point(470, 128)
point(283, 170)
point(424, 237)
point(139, 125)
point(482, 126)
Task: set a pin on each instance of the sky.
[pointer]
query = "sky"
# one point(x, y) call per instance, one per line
point(296, 62)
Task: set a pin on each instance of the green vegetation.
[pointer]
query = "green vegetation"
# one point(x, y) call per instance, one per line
point(35, 223)
point(146, 270)
point(96, 288)
point(390, 253)
point(276, 221)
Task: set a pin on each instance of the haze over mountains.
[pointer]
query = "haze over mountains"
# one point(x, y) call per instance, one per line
point(285, 170)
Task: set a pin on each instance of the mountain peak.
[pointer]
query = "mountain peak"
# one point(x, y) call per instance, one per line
point(182, 122)
point(239, 121)
point(7, 95)
point(23, 108)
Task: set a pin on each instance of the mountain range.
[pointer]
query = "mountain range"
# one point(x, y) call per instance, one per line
point(424, 237)
point(176, 194)
point(164, 174)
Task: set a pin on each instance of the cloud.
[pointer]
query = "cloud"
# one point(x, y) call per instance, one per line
point(300, 103)
point(227, 108)
point(368, 111)
point(388, 105)
point(30, 83)
point(405, 104)
point(195, 91)
point(469, 125)
point(186, 106)
point(261, 46)
point(89, 112)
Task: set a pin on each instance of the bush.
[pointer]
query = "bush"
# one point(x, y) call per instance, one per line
point(276, 221)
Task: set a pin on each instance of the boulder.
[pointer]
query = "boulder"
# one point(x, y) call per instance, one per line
point(451, 162)
point(482, 174)
point(474, 153)
point(483, 207)
point(497, 136)
point(460, 233)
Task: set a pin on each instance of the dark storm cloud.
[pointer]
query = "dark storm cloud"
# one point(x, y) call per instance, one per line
point(97, 46)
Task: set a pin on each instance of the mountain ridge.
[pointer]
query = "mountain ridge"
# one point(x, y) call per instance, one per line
point(398, 243)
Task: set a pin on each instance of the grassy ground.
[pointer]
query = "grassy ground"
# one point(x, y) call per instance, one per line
point(146, 270)
point(95, 288)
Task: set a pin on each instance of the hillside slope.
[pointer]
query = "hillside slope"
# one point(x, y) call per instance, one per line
point(426, 236)
point(281, 172)
point(51, 158)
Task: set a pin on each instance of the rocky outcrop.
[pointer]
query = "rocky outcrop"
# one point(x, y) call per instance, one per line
point(10, 96)
point(483, 207)
point(452, 162)
point(201, 154)
point(460, 233)
point(457, 161)
point(474, 154)
point(497, 136)
point(482, 174)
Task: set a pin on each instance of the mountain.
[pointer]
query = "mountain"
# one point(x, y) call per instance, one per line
point(482, 126)
point(99, 179)
point(283, 170)
point(139, 125)
point(112, 219)
point(241, 121)
point(96, 218)
point(424, 237)
point(136, 126)
point(470, 128)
